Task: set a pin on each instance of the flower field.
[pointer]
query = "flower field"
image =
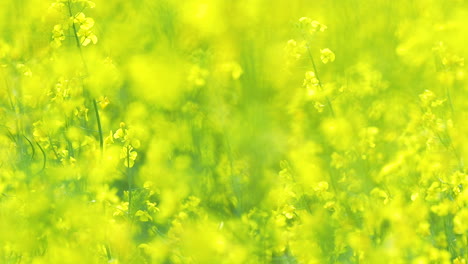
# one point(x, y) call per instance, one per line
point(222, 131)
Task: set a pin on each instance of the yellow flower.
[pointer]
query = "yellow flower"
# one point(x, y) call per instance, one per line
point(312, 26)
point(121, 132)
point(58, 35)
point(143, 216)
point(87, 36)
point(317, 26)
point(23, 69)
point(81, 112)
point(321, 187)
point(109, 139)
point(305, 20)
point(84, 21)
point(427, 97)
point(311, 83)
point(128, 155)
point(152, 207)
point(380, 194)
point(326, 55)
point(198, 76)
point(121, 209)
point(103, 102)
point(289, 211)
point(319, 106)
point(85, 32)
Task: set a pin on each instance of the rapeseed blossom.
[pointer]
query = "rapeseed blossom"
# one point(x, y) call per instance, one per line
point(211, 131)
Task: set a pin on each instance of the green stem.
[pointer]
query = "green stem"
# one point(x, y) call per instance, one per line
point(129, 179)
point(96, 110)
point(70, 13)
point(108, 252)
point(449, 99)
point(450, 147)
point(43, 155)
point(98, 119)
point(318, 78)
point(32, 147)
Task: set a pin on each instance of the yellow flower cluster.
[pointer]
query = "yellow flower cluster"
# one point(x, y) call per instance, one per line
point(81, 27)
point(245, 139)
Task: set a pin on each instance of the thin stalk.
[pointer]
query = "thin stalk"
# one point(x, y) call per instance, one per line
point(449, 99)
point(452, 109)
point(318, 78)
point(96, 110)
point(70, 13)
point(457, 156)
point(449, 236)
point(98, 119)
point(33, 150)
point(43, 155)
point(129, 179)
point(450, 147)
point(305, 202)
point(108, 252)
point(75, 34)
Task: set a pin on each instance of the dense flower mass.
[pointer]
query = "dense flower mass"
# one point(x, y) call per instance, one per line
point(214, 131)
